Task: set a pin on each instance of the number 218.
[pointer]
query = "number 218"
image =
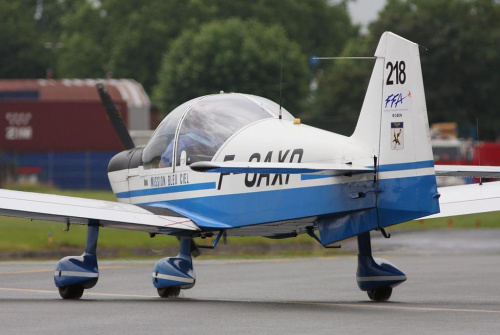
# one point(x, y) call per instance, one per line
point(399, 69)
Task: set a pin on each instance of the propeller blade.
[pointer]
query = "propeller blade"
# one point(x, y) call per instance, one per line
point(115, 117)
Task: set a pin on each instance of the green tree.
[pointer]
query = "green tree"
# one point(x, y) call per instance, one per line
point(460, 59)
point(91, 38)
point(144, 30)
point(30, 36)
point(233, 55)
point(22, 54)
point(85, 42)
point(142, 33)
point(336, 104)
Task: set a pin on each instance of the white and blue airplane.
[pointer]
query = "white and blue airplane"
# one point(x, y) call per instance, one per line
point(240, 165)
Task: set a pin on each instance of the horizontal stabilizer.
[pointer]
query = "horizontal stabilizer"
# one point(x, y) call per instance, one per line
point(49, 207)
point(279, 168)
point(468, 199)
point(467, 171)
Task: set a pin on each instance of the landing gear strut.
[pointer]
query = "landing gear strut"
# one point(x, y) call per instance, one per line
point(172, 274)
point(375, 276)
point(74, 274)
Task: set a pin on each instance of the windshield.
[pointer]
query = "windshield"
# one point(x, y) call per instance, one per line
point(195, 130)
point(163, 136)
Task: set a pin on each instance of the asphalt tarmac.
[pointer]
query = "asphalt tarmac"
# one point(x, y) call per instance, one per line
point(450, 290)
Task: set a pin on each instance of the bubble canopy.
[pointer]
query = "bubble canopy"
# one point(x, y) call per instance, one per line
point(195, 130)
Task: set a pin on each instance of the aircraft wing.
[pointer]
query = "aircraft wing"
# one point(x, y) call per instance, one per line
point(279, 168)
point(468, 199)
point(467, 171)
point(49, 207)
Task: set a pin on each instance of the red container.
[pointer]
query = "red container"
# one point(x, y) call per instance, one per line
point(63, 115)
point(57, 126)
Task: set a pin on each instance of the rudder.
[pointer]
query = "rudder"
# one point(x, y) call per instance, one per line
point(394, 122)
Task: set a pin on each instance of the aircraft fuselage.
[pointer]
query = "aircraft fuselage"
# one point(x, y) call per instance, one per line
point(222, 200)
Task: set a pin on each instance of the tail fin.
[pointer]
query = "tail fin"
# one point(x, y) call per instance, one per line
point(393, 121)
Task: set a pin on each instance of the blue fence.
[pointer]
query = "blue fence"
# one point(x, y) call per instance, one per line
point(69, 170)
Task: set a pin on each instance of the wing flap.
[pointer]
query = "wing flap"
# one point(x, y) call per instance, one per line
point(49, 207)
point(278, 168)
point(468, 199)
point(467, 171)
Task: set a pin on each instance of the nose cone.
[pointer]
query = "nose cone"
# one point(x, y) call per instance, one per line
point(127, 159)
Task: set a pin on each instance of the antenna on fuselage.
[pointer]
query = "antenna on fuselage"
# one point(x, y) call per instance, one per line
point(281, 82)
point(335, 58)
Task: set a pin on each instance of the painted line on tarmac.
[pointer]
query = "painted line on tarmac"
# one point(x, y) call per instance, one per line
point(86, 293)
point(410, 308)
point(25, 290)
point(122, 295)
point(371, 305)
point(367, 305)
point(26, 271)
point(52, 270)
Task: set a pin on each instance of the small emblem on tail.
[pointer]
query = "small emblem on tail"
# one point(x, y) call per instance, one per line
point(397, 136)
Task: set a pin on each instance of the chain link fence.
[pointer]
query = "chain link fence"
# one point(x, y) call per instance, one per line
point(64, 170)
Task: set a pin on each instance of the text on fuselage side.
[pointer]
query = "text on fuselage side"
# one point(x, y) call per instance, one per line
point(257, 179)
point(170, 180)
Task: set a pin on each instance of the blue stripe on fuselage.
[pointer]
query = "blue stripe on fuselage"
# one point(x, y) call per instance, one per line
point(315, 176)
point(381, 168)
point(212, 185)
point(166, 190)
point(263, 206)
point(238, 210)
point(405, 166)
point(242, 209)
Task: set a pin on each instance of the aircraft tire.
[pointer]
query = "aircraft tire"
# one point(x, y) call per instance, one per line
point(380, 294)
point(169, 292)
point(71, 292)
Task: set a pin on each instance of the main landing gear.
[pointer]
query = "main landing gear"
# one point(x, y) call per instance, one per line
point(171, 274)
point(74, 274)
point(375, 276)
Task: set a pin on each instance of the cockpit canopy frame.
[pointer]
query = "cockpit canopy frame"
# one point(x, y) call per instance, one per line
point(197, 129)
